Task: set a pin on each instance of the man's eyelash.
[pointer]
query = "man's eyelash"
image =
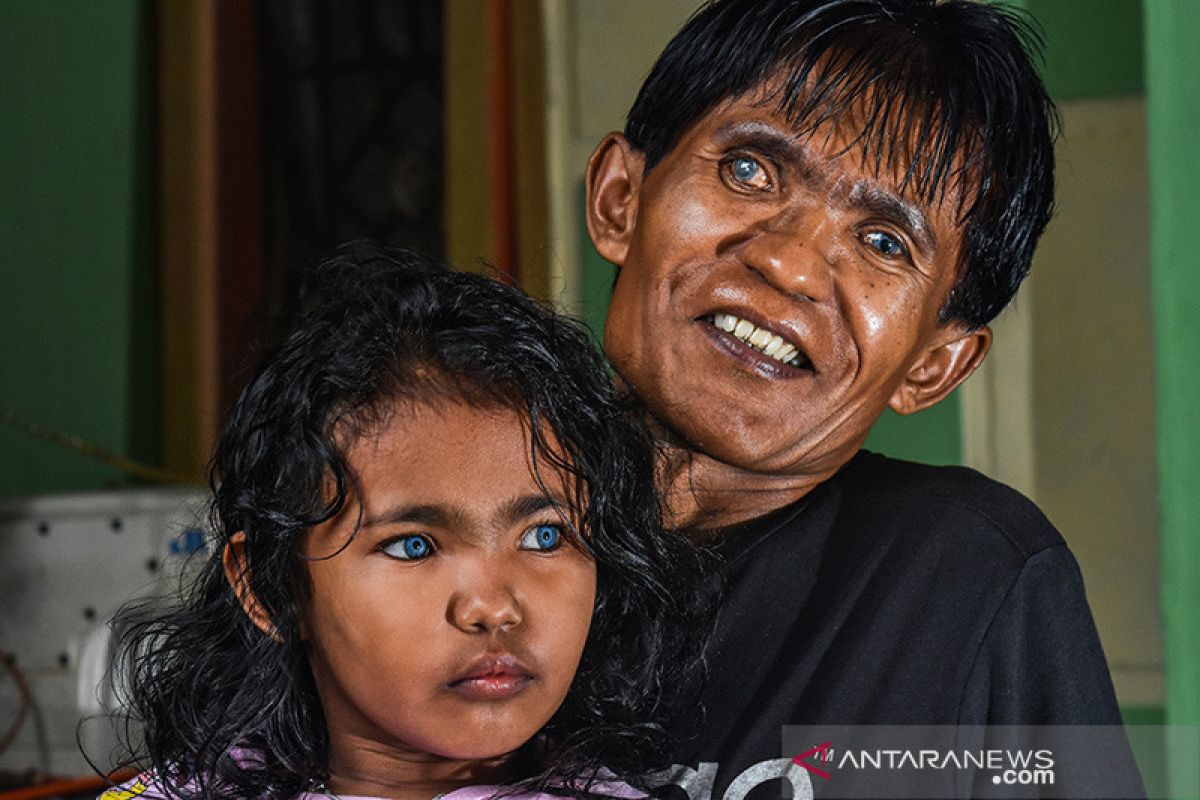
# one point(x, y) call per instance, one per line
point(764, 165)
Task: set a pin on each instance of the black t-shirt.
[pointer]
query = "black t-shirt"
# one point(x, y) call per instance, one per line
point(893, 594)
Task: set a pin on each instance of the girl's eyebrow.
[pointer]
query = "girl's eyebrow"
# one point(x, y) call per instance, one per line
point(446, 517)
point(527, 505)
point(438, 516)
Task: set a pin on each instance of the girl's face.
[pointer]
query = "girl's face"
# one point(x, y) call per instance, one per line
point(450, 627)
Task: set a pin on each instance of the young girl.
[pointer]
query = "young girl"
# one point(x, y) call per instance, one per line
point(439, 569)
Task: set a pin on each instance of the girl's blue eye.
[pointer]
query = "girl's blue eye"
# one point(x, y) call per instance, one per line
point(885, 243)
point(410, 548)
point(541, 537)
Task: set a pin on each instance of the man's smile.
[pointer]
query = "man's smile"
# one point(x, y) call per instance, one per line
point(763, 339)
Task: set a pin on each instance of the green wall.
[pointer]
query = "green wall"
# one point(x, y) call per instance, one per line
point(76, 335)
point(1093, 48)
point(1173, 110)
point(932, 436)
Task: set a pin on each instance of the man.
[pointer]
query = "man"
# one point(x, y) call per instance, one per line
point(816, 208)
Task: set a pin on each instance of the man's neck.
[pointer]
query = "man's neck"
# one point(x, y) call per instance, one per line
point(704, 496)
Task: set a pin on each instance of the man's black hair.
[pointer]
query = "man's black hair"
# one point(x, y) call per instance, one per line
point(945, 94)
point(231, 711)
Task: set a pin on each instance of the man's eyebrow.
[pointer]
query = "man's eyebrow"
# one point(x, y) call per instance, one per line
point(882, 203)
point(783, 146)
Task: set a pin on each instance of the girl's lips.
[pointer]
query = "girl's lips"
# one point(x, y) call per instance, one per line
point(491, 687)
point(492, 677)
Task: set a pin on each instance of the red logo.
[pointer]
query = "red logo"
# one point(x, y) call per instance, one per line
point(821, 754)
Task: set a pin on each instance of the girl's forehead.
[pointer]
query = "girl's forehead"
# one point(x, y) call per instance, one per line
point(409, 425)
point(441, 434)
point(420, 393)
point(450, 464)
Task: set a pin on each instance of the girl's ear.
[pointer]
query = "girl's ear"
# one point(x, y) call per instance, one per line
point(237, 572)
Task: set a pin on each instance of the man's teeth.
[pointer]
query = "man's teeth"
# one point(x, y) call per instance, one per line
point(766, 342)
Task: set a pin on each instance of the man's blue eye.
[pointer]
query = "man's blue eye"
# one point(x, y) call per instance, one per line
point(541, 537)
point(744, 169)
point(410, 548)
point(746, 173)
point(885, 243)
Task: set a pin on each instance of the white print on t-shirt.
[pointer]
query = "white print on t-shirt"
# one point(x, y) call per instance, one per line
point(698, 783)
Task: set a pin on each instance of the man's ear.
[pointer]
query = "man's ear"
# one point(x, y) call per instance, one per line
point(614, 178)
point(950, 359)
point(237, 572)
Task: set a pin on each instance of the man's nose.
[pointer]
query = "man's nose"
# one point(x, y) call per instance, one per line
point(789, 251)
point(484, 604)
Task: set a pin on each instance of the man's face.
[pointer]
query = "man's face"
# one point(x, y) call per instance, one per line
point(775, 294)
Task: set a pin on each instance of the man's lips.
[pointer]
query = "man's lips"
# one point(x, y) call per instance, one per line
point(492, 677)
point(763, 344)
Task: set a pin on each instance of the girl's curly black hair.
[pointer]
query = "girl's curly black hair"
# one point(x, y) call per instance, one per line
point(204, 682)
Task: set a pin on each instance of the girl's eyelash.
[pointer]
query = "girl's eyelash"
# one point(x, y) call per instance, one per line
point(569, 531)
point(409, 547)
point(543, 537)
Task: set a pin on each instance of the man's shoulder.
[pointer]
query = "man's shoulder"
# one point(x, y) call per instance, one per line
point(944, 505)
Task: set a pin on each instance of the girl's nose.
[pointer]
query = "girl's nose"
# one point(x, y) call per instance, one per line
point(485, 606)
